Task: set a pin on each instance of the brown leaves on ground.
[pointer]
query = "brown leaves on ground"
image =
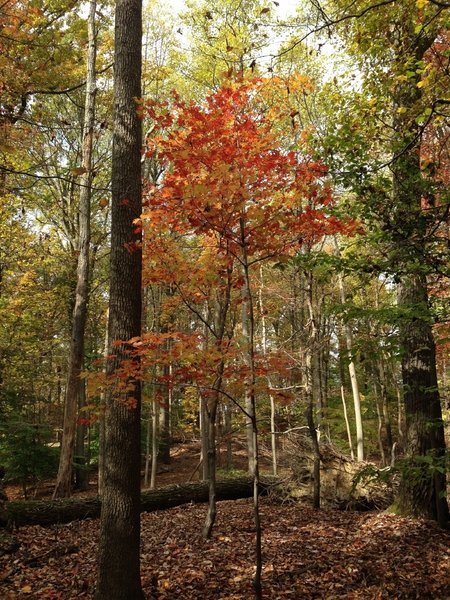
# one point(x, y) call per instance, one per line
point(307, 554)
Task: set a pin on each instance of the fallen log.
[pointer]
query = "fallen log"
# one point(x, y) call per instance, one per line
point(51, 512)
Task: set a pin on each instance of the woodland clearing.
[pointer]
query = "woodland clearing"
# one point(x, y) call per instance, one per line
point(328, 554)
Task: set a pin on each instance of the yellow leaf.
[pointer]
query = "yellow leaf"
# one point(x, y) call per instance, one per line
point(401, 110)
point(26, 589)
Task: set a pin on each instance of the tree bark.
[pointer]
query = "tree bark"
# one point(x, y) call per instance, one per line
point(423, 484)
point(63, 486)
point(51, 512)
point(118, 575)
point(353, 380)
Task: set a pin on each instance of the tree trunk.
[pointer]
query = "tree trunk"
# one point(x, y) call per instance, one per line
point(165, 436)
point(101, 420)
point(249, 402)
point(347, 424)
point(118, 575)
point(155, 441)
point(423, 485)
point(222, 306)
point(203, 421)
point(81, 454)
point(211, 458)
point(353, 380)
point(248, 333)
point(424, 482)
point(311, 375)
point(51, 512)
point(63, 486)
point(273, 433)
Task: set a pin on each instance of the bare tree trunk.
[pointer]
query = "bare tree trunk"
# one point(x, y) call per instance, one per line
point(385, 406)
point(101, 425)
point(155, 441)
point(203, 420)
point(148, 452)
point(422, 490)
point(81, 455)
point(249, 391)
point(273, 433)
point(211, 459)
point(228, 433)
point(353, 377)
point(63, 485)
point(312, 350)
point(118, 575)
point(248, 332)
point(212, 403)
point(165, 441)
point(347, 424)
point(380, 431)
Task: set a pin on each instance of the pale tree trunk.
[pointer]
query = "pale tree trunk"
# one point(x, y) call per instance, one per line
point(380, 430)
point(273, 433)
point(118, 574)
point(155, 441)
point(312, 349)
point(353, 377)
point(63, 486)
point(347, 424)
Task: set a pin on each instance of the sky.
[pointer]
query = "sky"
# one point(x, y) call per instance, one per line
point(285, 8)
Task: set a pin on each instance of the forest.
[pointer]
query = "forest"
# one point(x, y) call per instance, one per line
point(224, 299)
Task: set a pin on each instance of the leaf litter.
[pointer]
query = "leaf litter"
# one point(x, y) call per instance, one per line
point(307, 554)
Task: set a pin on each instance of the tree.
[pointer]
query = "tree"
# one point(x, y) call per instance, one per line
point(402, 91)
point(64, 479)
point(118, 563)
point(230, 183)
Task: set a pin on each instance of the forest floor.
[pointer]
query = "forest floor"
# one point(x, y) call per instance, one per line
point(307, 554)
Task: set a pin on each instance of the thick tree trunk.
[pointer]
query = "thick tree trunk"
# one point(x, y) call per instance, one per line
point(423, 483)
point(118, 562)
point(63, 486)
point(39, 512)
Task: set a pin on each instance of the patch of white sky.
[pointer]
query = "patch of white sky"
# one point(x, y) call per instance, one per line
point(285, 8)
